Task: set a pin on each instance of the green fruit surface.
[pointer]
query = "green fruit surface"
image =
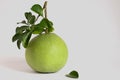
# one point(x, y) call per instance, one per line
point(46, 53)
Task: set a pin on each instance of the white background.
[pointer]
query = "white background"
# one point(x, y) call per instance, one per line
point(90, 28)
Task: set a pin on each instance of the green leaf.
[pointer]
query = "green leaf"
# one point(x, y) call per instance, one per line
point(38, 29)
point(17, 36)
point(26, 38)
point(50, 26)
point(22, 22)
point(18, 44)
point(22, 37)
point(44, 24)
point(38, 9)
point(73, 74)
point(32, 19)
point(21, 29)
point(28, 15)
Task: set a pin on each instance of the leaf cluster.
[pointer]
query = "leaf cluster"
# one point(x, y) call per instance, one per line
point(29, 26)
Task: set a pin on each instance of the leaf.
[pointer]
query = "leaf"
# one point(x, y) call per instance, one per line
point(18, 44)
point(22, 22)
point(16, 37)
point(50, 26)
point(47, 24)
point(22, 37)
point(38, 9)
point(44, 24)
point(32, 19)
point(38, 29)
point(28, 15)
point(26, 38)
point(73, 74)
point(21, 29)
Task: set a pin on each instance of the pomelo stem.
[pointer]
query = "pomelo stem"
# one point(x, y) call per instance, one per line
point(45, 7)
point(45, 11)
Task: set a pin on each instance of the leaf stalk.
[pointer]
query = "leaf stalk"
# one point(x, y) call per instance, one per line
point(45, 12)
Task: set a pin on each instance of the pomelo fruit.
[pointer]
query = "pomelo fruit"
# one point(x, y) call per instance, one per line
point(46, 53)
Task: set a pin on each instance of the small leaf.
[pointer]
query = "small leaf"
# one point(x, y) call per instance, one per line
point(28, 15)
point(38, 9)
point(73, 74)
point(44, 24)
point(38, 29)
point(22, 22)
point(26, 38)
point(21, 29)
point(18, 44)
point(47, 24)
point(32, 19)
point(16, 37)
point(50, 26)
point(17, 30)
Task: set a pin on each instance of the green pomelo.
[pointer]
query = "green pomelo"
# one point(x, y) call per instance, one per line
point(46, 53)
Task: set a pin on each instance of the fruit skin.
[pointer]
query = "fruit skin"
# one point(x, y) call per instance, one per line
point(46, 53)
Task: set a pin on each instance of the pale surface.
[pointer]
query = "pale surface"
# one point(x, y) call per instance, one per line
point(90, 28)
